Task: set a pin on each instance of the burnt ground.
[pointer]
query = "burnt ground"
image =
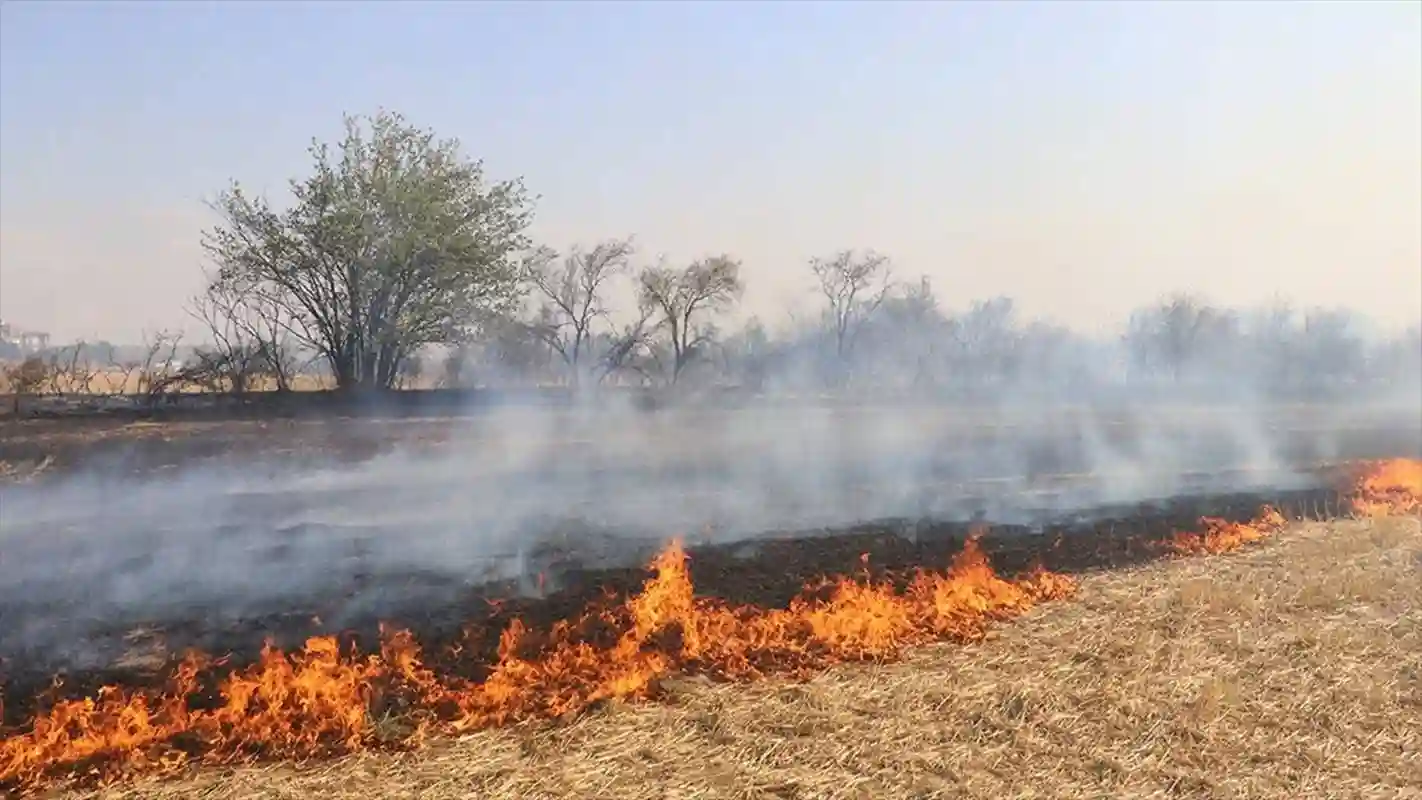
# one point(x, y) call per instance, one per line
point(759, 568)
point(768, 573)
point(1285, 670)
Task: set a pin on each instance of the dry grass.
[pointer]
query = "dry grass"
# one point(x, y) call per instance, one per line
point(118, 381)
point(1289, 671)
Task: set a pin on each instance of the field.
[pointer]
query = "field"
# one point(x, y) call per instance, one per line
point(115, 381)
point(1291, 670)
point(494, 569)
point(320, 428)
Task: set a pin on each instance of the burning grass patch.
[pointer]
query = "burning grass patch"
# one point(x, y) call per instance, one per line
point(321, 701)
point(1186, 678)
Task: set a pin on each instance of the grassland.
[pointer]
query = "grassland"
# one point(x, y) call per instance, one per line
point(119, 381)
point(1293, 669)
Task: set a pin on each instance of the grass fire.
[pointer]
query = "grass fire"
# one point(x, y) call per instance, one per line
point(662, 402)
point(326, 698)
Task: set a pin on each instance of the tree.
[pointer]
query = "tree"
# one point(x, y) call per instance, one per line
point(1272, 332)
point(156, 372)
point(250, 336)
point(1176, 333)
point(1397, 362)
point(745, 355)
point(1329, 351)
point(902, 338)
point(570, 293)
point(506, 353)
point(677, 300)
point(854, 287)
point(987, 341)
point(71, 372)
point(625, 349)
point(395, 241)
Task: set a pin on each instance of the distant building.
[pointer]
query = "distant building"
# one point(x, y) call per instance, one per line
point(27, 342)
point(33, 341)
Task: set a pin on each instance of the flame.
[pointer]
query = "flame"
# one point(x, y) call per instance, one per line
point(1380, 488)
point(1388, 487)
point(321, 700)
point(1222, 536)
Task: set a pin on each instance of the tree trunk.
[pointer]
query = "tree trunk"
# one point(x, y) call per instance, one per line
point(387, 366)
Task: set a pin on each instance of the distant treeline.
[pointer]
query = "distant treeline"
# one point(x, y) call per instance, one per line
point(399, 264)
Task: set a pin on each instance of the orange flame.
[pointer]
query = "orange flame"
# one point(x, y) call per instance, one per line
point(317, 701)
point(1389, 487)
point(1222, 536)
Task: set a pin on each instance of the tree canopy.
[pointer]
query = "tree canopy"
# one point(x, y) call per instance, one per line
point(394, 241)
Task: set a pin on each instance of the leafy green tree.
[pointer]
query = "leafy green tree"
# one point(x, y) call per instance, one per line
point(395, 240)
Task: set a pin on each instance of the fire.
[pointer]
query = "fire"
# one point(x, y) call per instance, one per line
point(321, 700)
point(1389, 487)
point(1223, 536)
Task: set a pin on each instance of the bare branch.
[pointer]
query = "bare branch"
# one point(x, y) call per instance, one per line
point(678, 299)
point(854, 287)
point(570, 292)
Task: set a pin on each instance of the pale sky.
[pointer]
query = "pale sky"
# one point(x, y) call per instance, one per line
point(1083, 158)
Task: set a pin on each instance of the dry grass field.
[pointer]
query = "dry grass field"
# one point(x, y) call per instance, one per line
point(113, 380)
point(1289, 670)
point(117, 381)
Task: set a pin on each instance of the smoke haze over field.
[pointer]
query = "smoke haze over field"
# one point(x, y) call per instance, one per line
point(89, 555)
point(1080, 159)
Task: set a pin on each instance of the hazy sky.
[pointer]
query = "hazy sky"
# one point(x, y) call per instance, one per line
point(1081, 157)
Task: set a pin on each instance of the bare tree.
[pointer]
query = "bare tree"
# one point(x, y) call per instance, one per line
point(986, 338)
point(452, 367)
point(570, 293)
point(1176, 333)
point(394, 242)
point(906, 333)
point(678, 299)
point(508, 352)
point(237, 355)
point(1397, 362)
point(158, 372)
point(71, 372)
point(746, 354)
point(1329, 350)
point(626, 350)
point(1272, 333)
point(252, 338)
point(854, 286)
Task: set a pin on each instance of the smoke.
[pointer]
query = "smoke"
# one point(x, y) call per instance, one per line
point(87, 556)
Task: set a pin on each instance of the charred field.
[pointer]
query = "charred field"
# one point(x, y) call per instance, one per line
point(444, 615)
point(568, 569)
